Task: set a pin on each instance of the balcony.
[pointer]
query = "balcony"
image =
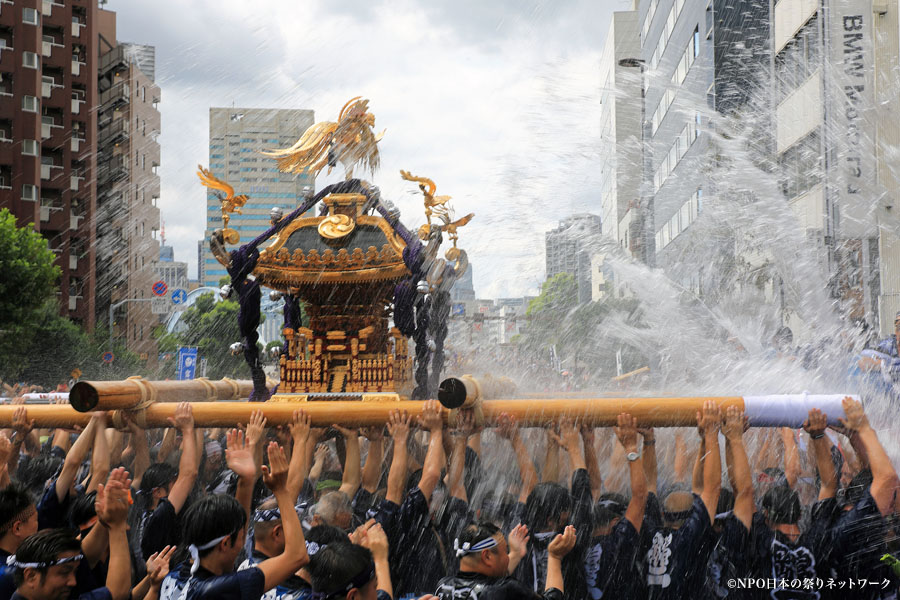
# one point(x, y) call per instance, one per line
point(77, 26)
point(115, 132)
point(49, 171)
point(48, 208)
point(112, 170)
point(77, 65)
point(48, 124)
point(76, 104)
point(48, 84)
point(113, 60)
point(73, 262)
point(75, 143)
point(118, 95)
point(74, 222)
point(75, 182)
point(73, 302)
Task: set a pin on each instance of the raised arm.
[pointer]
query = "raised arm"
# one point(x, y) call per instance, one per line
point(709, 420)
point(884, 477)
point(431, 420)
point(626, 432)
point(398, 428)
point(239, 456)
point(74, 458)
point(100, 457)
point(571, 441)
point(815, 426)
point(508, 429)
point(459, 435)
point(559, 547)
point(590, 461)
point(791, 457)
point(112, 511)
point(294, 557)
point(376, 541)
point(299, 467)
point(187, 466)
point(739, 469)
point(697, 473)
point(648, 457)
point(352, 469)
point(371, 472)
point(550, 471)
point(141, 451)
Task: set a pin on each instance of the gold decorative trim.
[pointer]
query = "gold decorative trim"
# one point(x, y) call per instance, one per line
point(382, 397)
point(334, 227)
point(395, 241)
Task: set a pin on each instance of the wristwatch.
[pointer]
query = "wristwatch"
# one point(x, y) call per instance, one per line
point(632, 456)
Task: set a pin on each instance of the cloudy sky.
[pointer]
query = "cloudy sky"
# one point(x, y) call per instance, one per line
point(496, 100)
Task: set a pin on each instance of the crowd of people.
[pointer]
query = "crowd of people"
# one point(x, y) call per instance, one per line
point(420, 509)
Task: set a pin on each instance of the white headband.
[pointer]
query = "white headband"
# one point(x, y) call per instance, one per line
point(195, 550)
point(469, 548)
point(12, 562)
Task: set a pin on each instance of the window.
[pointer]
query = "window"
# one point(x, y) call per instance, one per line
point(29, 104)
point(143, 94)
point(143, 161)
point(29, 16)
point(30, 147)
point(30, 60)
point(29, 192)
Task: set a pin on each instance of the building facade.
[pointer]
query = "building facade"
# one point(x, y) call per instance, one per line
point(48, 168)
point(620, 122)
point(128, 189)
point(834, 81)
point(567, 250)
point(236, 136)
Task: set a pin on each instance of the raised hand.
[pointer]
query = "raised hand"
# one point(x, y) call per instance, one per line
point(20, 422)
point(184, 417)
point(518, 540)
point(568, 433)
point(710, 418)
point(239, 455)
point(431, 418)
point(5, 449)
point(563, 543)
point(275, 474)
point(816, 423)
point(507, 427)
point(465, 423)
point(113, 499)
point(376, 541)
point(854, 415)
point(346, 432)
point(158, 565)
point(256, 428)
point(626, 431)
point(299, 427)
point(734, 423)
point(398, 426)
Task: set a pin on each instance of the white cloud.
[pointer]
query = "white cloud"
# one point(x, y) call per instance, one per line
point(498, 104)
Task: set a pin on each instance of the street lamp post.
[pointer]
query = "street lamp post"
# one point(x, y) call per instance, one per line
point(113, 307)
point(645, 200)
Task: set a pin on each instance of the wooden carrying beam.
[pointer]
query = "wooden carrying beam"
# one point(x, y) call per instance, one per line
point(767, 411)
point(133, 392)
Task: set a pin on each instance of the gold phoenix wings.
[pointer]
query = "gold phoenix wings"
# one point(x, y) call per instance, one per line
point(434, 205)
point(349, 141)
point(230, 203)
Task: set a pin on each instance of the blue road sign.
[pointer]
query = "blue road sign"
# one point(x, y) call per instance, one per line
point(187, 363)
point(108, 357)
point(179, 296)
point(160, 288)
point(458, 310)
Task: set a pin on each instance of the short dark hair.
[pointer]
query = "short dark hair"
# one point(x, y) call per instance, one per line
point(15, 501)
point(82, 510)
point(782, 505)
point(44, 547)
point(340, 565)
point(40, 470)
point(608, 507)
point(477, 531)
point(212, 517)
point(157, 475)
point(545, 502)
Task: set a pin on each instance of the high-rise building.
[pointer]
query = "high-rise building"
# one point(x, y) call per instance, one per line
point(128, 190)
point(48, 169)
point(620, 123)
point(143, 56)
point(696, 55)
point(835, 88)
point(567, 250)
point(463, 288)
point(236, 135)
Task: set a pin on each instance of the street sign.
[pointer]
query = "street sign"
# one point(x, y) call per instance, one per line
point(187, 363)
point(179, 296)
point(458, 310)
point(108, 357)
point(160, 306)
point(160, 288)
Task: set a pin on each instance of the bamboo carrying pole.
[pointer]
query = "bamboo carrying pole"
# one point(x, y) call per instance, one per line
point(112, 395)
point(656, 412)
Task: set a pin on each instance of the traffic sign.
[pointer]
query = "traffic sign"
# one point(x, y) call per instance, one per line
point(179, 296)
point(160, 288)
point(108, 357)
point(160, 306)
point(187, 363)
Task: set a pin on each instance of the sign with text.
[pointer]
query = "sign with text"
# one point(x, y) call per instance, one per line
point(187, 363)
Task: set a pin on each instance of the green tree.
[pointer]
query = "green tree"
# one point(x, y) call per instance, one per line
point(212, 327)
